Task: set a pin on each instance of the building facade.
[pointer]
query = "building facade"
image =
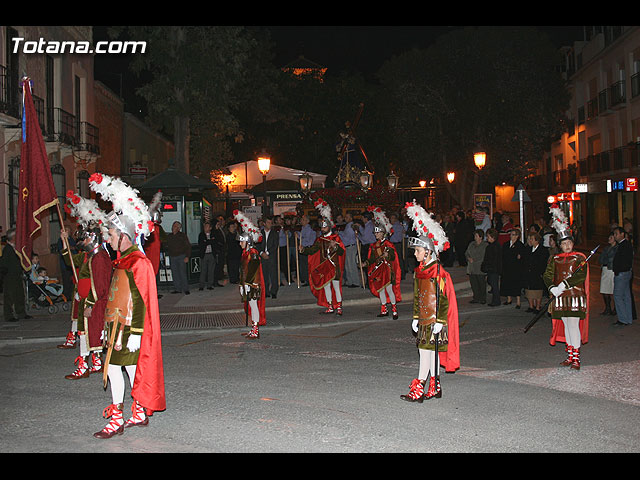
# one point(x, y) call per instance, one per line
point(63, 93)
point(594, 168)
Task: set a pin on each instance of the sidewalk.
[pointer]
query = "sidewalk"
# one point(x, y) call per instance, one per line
point(217, 308)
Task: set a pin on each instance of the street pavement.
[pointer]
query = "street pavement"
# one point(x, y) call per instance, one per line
point(323, 383)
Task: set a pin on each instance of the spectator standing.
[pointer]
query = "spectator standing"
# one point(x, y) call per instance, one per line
point(13, 284)
point(234, 253)
point(607, 275)
point(396, 237)
point(462, 237)
point(207, 246)
point(475, 255)
point(622, 263)
point(535, 264)
point(307, 237)
point(513, 253)
point(268, 249)
point(179, 250)
point(492, 266)
point(348, 237)
point(220, 250)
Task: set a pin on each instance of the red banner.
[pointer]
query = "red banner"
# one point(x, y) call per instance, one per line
point(37, 192)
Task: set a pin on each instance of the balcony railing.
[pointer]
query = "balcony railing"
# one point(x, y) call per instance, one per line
point(89, 138)
point(617, 94)
point(635, 85)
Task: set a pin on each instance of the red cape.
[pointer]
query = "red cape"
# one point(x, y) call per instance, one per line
point(395, 267)
point(101, 272)
point(451, 358)
point(314, 261)
point(261, 302)
point(557, 325)
point(148, 386)
point(152, 248)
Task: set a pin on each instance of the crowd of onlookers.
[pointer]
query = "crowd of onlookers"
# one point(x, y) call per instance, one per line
point(504, 266)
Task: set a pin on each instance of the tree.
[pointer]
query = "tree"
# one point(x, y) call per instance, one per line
point(494, 87)
point(196, 72)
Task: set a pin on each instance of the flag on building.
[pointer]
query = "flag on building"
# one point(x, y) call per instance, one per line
point(36, 190)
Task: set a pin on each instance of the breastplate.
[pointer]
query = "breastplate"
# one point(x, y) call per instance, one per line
point(574, 298)
point(119, 304)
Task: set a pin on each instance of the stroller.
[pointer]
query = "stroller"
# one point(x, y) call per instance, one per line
point(39, 296)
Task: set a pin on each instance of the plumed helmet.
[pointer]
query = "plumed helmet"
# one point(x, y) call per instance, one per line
point(560, 223)
point(428, 233)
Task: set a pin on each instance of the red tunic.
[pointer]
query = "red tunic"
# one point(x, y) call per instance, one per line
point(451, 358)
point(380, 274)
point(148, 386)
point(331, 271)
point(259, 279)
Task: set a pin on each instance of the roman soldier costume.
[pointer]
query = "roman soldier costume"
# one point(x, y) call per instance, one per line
point(326, 263)
point(93, 265)
point(435, 308)
point(383, 266)
point(252, 289)
point(132, 330)
point(568, 282)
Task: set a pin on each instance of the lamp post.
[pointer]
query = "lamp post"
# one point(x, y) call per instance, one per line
point(227, 179)
point(451, 176)
point(264, 163)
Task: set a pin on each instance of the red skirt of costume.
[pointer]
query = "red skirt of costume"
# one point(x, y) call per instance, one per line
point(260, 279)
point(557, 325)
point(381, 275)
point(451, 358)
point(322, 271)
point(101, 276)
point(148, 386)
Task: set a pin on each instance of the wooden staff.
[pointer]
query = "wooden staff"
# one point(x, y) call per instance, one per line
point(288, 259)
point(360, 261)
point(65, 240)
point(297, 262)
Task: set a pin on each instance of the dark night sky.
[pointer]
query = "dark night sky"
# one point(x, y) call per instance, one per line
point(361, 48)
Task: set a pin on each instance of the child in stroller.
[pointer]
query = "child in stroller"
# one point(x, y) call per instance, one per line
point(46, 292)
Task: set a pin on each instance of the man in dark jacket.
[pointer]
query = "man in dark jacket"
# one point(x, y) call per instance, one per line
point(492, 266)
point(207, 246)
point(268, 249)
point(13, 280)
point(622, 263)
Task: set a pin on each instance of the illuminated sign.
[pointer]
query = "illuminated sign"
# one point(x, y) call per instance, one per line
point(582, 187)
point(563, 197)
point(631, 184)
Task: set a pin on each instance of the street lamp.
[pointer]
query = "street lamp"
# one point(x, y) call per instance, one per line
point(480, 159)
point(392, 179)
point(366, 179)
point(451, 176)
point(306, 181)
point(264, 163)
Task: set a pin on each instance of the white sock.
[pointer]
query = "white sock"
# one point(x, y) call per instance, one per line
point(392, 296)
point(116, 378)
point(336, 288)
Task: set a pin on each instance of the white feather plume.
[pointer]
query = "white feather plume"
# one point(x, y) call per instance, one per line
point(559, 221)
point(324, 210)
point(247, 226)
point(381, 219)
point(88, 213)
point(425, 226)
point(125, 200)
